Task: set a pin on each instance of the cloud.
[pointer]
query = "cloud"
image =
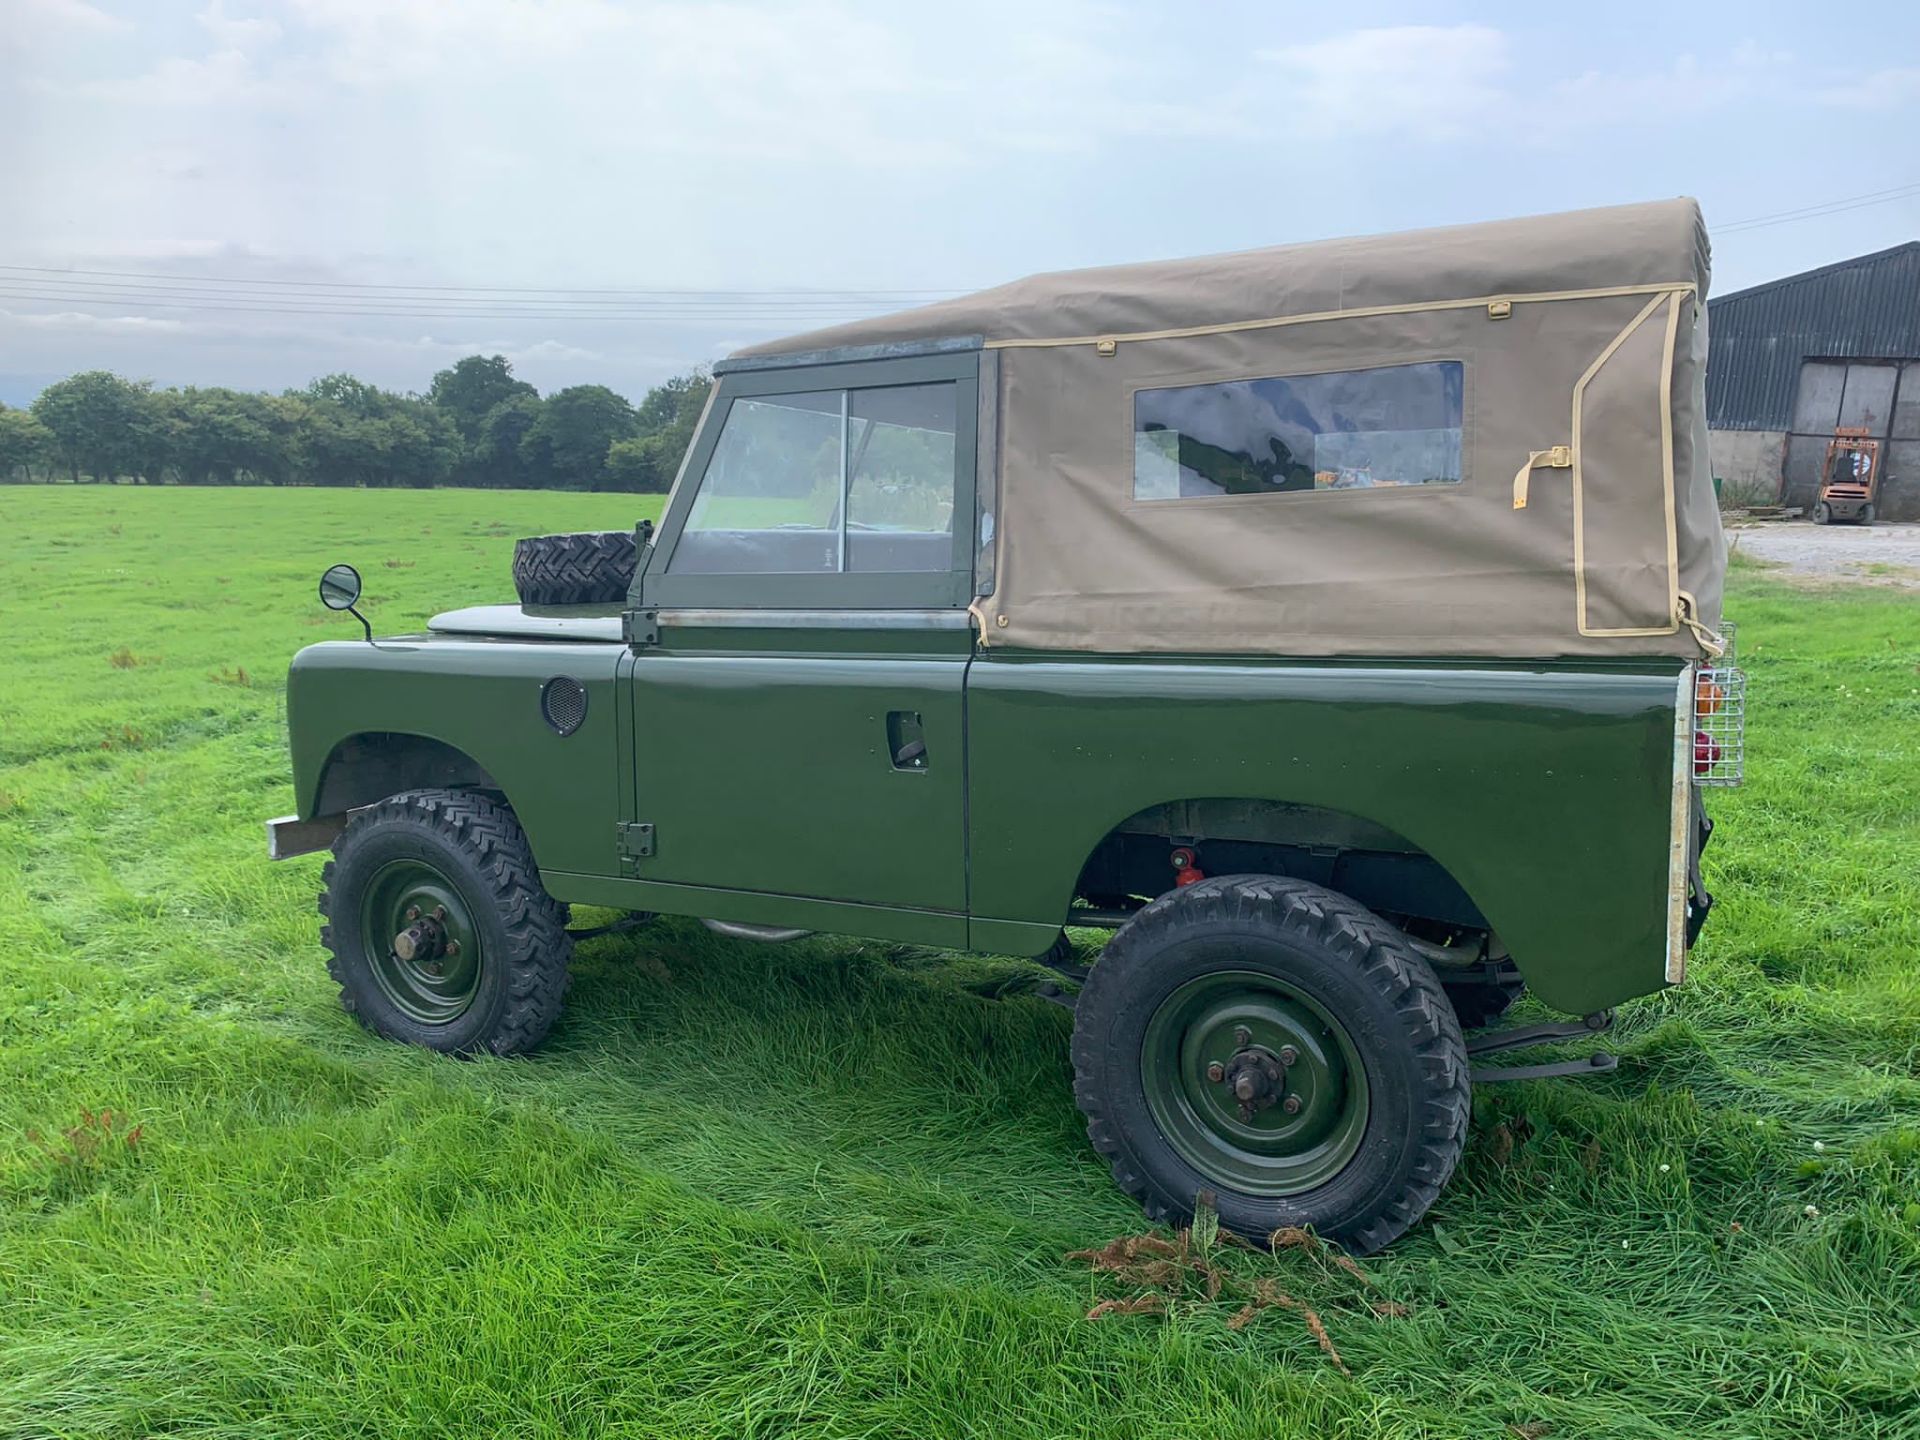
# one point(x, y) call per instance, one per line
point(1892, 88)
point(222, 79)
point(66, 14)
point(767, 143)
point(74, 320)
point(231, 32)
point(1422, 80)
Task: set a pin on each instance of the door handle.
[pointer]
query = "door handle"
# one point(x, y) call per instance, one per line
point(906, 740)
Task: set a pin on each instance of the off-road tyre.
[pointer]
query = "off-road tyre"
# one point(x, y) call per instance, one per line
point(1350, 963)
point(594, 567)
point(476, 843)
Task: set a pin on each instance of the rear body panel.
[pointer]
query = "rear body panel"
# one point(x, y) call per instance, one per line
point(1547, 793)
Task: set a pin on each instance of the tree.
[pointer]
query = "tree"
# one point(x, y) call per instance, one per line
point(496, 457)
point(632, 465)
point(674, 405)
point(23, 441)
point(101, 424)
point(469, 392)
point(470, 389)
point(665, 420)
point(213, 428)
point(358, 434)
point(272, 451)
point(154, 447)
point(477, 426)
point(575, 429)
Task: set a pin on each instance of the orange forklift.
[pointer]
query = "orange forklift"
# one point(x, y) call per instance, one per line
point(1850, 478)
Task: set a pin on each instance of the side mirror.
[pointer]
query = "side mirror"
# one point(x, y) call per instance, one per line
point(340, 587)
point(340, 590)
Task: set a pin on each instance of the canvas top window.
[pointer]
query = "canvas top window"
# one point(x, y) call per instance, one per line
point(1395, 426)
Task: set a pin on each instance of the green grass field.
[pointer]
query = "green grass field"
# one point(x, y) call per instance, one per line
point(828, 1189)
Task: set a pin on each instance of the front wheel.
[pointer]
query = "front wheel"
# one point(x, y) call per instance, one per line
point(1279, 1047)
point(438, 930)
point(1822, 513)
point(1865, 517)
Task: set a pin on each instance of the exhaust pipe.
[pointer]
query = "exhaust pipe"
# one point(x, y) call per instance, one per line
point(766, 934)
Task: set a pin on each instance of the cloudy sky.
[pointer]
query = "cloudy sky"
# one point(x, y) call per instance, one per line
point(255, 192)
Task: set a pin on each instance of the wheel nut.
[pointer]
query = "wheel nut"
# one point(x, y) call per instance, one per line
point(413, 913)
point(1288, 1054)
point(1291, 1104)
point(1216, 1072)
point(1242, 1036)
point(439, 912)
point(452, 947)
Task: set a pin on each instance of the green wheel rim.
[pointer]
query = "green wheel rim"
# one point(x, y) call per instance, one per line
point(1297, 1131)
point(438, 983)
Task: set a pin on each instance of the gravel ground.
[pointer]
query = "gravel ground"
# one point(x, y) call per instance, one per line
point(1880, 554)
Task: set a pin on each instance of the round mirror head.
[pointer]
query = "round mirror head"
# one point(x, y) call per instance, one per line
point(340, 587)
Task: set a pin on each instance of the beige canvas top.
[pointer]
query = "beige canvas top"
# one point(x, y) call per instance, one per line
point(1578, 517)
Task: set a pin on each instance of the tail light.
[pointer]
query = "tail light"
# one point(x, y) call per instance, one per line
point(1720, 719)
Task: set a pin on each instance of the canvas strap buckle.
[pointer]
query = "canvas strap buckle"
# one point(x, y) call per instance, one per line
point(1558, 457)
point(1710, 640)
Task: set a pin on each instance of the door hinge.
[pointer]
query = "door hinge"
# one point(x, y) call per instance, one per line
point(640, 627)
point(634, 842)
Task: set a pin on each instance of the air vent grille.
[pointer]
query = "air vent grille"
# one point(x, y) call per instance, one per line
point(563, 704)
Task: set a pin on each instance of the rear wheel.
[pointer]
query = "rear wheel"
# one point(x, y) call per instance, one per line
point(1866, 513)
point(438, 930)
point(1280, 1047)
point(1822, 513)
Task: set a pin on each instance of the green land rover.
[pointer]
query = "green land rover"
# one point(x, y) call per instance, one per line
point(1338, 624)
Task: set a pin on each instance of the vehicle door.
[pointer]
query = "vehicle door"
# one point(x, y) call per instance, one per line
point(804, 639)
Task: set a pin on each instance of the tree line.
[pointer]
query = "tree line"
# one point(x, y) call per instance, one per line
point(476, 425)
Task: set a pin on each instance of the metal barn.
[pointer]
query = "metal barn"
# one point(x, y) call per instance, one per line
point(1790, 361)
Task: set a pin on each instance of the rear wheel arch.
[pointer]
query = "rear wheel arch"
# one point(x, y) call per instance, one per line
point(1235, 828)
point(1352, 855)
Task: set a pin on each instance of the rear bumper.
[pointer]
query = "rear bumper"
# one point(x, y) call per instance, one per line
point(1699, 900)
point(1680, 833)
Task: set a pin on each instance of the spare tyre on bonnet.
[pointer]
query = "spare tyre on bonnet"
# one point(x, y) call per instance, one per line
point(593, 567)
point(1339, 624)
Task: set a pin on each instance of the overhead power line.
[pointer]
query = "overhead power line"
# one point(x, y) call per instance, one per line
point(262, 295)
point(614, 293)
point(1824, 208)
point(301, 305)
point(120, 289)
point(204, 306)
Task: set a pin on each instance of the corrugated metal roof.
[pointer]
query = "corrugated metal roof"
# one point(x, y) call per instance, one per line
point(1865, 308)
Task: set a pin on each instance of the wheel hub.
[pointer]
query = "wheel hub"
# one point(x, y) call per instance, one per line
point(1255, 1084)
point(421, 941)
point(1256, 1077)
